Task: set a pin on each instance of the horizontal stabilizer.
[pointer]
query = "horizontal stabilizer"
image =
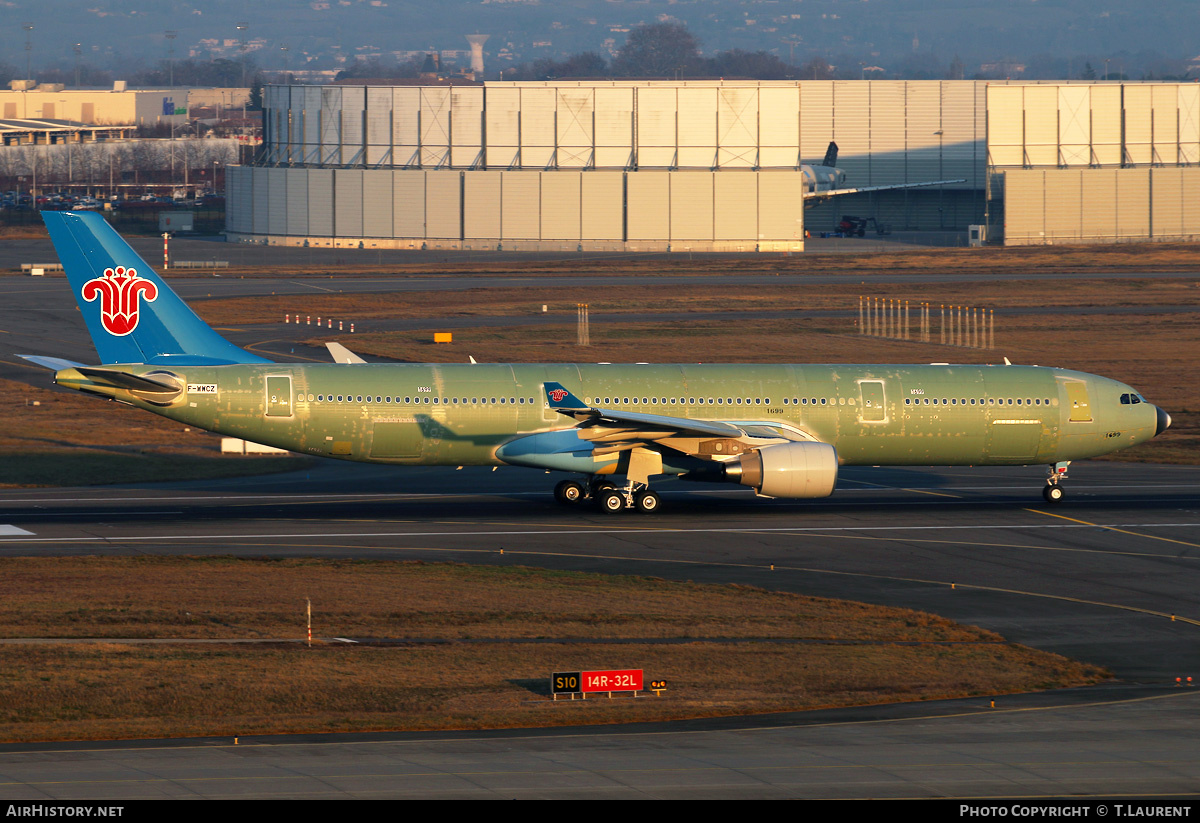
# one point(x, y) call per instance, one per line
point(125, 380)
point(53, 363)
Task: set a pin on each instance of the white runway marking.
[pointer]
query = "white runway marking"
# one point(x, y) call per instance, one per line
point(6, 530)
point(627, 531)
point(733, 490)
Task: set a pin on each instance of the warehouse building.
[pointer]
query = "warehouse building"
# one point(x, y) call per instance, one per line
point(28, 100)
point(605, 165)
point(1094, 163)
point(714, 165)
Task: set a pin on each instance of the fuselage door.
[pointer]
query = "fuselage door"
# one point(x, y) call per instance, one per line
point(871, 405)
point(1077, 397)
point(279, 395)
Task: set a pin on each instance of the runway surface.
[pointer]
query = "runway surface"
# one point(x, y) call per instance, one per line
point(1097, 578)
point(1108, 577)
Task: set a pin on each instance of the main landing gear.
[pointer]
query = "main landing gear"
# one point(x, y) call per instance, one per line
point(607, 497)
point(1052, 491)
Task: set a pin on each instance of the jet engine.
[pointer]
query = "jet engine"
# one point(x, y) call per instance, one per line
point(787, 470)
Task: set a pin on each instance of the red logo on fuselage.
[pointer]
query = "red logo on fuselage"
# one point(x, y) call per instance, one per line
point(118, 291)
point(557, 395)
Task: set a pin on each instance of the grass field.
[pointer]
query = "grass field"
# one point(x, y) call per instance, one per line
point(69, 439)
point(473, 647)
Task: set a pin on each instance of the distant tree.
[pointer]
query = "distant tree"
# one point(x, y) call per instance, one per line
point(921, 66)
point(377, 67)
point(816, 69)
point(585, 64)
point(256, 92)
point(657, 50)
point(760, 65)
point(221, 73)
point(1089, 73)
point(88, 76)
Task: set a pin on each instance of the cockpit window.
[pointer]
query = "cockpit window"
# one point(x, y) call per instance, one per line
point(1132, 399)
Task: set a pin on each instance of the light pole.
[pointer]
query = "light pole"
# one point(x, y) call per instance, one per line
point(28, 49)
point(171, 34)
point(78, 49)
point(241, 27)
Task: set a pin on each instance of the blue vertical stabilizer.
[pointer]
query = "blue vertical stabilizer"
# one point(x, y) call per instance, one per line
point(131, 313)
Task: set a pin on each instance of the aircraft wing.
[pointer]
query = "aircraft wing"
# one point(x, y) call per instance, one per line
point(648, 426)
point(640, 444)
point(864, 189)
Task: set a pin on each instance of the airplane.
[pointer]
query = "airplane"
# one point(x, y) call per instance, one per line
point(782, 430)
point(825, 180)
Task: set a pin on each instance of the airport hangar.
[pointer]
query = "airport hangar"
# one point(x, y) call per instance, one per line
point(714, 165)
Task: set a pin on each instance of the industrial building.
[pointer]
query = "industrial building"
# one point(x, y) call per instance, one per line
point(1094, 163)
point(709, 165)
point(624, 165)
point(26, 100)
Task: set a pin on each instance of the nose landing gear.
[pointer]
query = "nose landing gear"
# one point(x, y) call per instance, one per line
point(1052, 492)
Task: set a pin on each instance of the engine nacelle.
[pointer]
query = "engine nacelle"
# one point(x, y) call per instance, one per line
point(787, 470)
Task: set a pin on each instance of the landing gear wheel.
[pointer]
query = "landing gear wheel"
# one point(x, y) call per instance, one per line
point(1053, 493)
point(647, 502)
point(611, 501)
point(568, 492)
point(598, 487)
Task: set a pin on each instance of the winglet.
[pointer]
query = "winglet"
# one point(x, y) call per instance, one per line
point(341, 354)
point(561, 399)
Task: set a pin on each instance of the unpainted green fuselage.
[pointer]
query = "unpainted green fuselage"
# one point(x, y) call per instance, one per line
point(452, 414)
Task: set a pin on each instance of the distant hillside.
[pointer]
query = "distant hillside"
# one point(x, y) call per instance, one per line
point(1049, 36)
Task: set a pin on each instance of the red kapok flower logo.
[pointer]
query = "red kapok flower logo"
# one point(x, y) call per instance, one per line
point(557, 395)
point(118, 291)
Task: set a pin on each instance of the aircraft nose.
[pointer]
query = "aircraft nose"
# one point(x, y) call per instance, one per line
point(1164, 421)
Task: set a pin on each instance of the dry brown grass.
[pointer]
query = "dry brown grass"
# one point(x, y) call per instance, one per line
point(72, 439)
point(222, 598)
point(739, 650)
point(789, 294)
point(1017, 260)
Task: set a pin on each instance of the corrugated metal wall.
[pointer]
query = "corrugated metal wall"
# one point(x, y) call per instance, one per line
point(887, 131)
point(1047, 206)
point(1093, 125)
point(449, 208)
point(674, 135)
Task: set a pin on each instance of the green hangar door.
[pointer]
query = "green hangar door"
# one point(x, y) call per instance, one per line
point(279, 396)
